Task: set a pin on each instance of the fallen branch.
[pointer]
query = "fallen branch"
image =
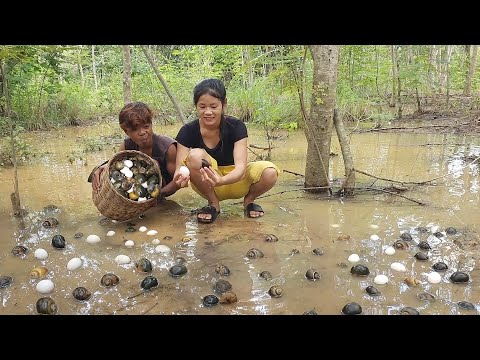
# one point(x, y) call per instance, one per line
point(260, 147)
point(395, 181)
point(412, 128)
point(293, 172)
point(393, 193)
point(150, 308)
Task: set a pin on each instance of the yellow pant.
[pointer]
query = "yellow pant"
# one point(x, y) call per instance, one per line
point(237, 190)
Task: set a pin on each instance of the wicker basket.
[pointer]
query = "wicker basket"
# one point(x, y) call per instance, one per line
point(113, 205)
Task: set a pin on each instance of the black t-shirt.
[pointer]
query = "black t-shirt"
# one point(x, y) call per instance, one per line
point(231, 130)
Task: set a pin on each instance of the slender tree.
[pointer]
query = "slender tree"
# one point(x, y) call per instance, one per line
point(471, 71)
point(127, 75)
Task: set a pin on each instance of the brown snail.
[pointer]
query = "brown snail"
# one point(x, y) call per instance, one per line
point(143, 265)
point(271, 238)
point(81, 293)
point(46, 305)
point(228, 297)
point(266, 275)
point(312, 274)
point(275, 291)
point(222, 286)
point(254, 253)
point(38, 272)
point(19, 250)
point(50, 223)
point(222, 270)
point(109, 280)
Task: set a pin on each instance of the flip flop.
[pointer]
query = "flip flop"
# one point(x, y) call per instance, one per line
point(253, 207)
point(207, 210)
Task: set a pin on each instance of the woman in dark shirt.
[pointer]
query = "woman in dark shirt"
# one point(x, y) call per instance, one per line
point(214, 148)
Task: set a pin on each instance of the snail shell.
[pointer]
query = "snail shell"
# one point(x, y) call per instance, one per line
point(109, 280)
point(360, 270)
point(5, 281)
point(422, 229)
point(222, 270)
point(409, 311)
point(424, 245)
point(438, 234)
point(58, 242)
point(210, 300)
point(406, 236)
point(143, 265)
point(466, 305)
point(78, 235)
point(254, 253)
point(294, 252)
point(81, 293)
point(38, 272)
point(440, 266)
point(451, 231)
point(50, 223)
point(228, 297)
point(46, 305)
point(310, 312)
point(180, 260)
point(19, 250)
point(421, 256)
point(178, 270)
point(275, 291)
point(343, 237)
point(222, 286)
point(266, 275)
point(205, 163)
point(401, 245)
point(459, 277)
point(149, 282)
point(426, 297)
point(352, 308)
point(372, 291)
point(318, 251)
point(271, 238)
point(411, 281)
point(312, 274)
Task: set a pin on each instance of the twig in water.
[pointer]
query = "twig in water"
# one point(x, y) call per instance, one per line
point(393, 193)
point(150, 308)
point(293, 172)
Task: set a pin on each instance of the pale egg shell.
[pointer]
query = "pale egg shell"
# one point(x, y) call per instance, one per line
point(140, 199)
point(145, 184)
point(164, 249)
point(373, 226)
point(398, 267)
point(92, 239)
point(390, 250)
point(41, 254)
point(122, 260)
point(45, 286)
point(434, 277)
point(152, 232)
point(354, 258)
point(128, 174)
point(74, 264)
point(111, 233)
point(142, 228)
point(335, 225)
point(128, 163)
point(184, 171)
point(434, 229)
point(155, 241)
point(129, 244)
point(380, 279)
point(124, 169)
point(374, 237)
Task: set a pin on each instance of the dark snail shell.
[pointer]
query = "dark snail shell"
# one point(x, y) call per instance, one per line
point(50, 223)
point(254, 253)
point(450, 231)
point(78, 235)
point(440, 266)
point(312, 274)
point(372, 291)
point(406, 236)
point(222, 270)
point(426, 297)
point(422, 229)
point(352, 309)
point(19, 250)
point(228, 297)
point(459, 277)
point(438, 234)
point(5, 281)
point(271, 238)
point(466, 305)
point(46, 305)
point(400, 245)
point(360, 270)
point(130, 229)
point(178, 270)
point(424, 245)
point(408, 311)
point(318, 251)
point(81, 293)
point(205, 163)
point(222, 286)
point(167, 237)
point(310, 312)
point(294, 252)
point(144, 265)
point(109, 280)
point(210, 300)
point(421, 256)
point(58, 242)
point(149, 282)
point(180, 260)
point(275, 291)
point(266, 275)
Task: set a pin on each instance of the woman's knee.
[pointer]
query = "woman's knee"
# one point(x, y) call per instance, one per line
point(195, 157)
point(270, 175)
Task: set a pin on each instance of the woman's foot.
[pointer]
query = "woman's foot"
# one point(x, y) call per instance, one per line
point(207, 214)
point(253, 210)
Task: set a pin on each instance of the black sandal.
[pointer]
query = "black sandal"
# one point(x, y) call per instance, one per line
point(253, 207)
point(209, 209)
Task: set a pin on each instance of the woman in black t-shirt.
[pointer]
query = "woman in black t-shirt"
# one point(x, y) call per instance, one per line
point(214, 148)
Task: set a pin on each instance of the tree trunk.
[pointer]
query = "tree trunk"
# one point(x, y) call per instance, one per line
point(94, 67)
point(165, 86)
point(448, 49)
point(127, 75)
point(399, 85)
point(319, 124)
point(80, 66)
point(348, 186)
point(394, 76)
point(471, 71)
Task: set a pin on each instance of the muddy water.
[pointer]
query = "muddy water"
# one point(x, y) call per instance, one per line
point(301, 221)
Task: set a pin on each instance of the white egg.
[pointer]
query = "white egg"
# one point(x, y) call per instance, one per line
point(374, 237)
point(398, 267)
point(129, 173)
point(434, 229)
point(41, 254)
point(142, 229)
point(111, 233)
point(155, 241)
point(145, 184)
point(335, 225)
point(184, 171)
point(373, 226)
point(124, 169)
point(92, 239)
point(164, 249)
point(74, 264)
point(129, 243)
point(140, 199)
point(354, 258)
point(122, 259)
point(380, 279)
point(152, 232)
point(128, 163)
point(434, 277)
point(45, 286)
point(390, 250)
